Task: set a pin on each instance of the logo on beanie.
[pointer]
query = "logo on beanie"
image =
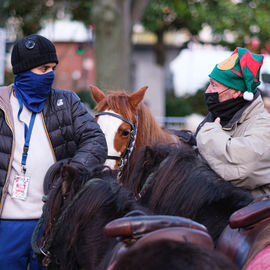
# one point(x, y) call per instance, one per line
point(228, 63)
point(30, 44)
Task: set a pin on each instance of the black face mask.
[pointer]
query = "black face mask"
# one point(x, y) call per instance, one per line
point(226, 109)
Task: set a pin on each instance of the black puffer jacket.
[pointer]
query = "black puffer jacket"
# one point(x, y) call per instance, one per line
point(72, 131)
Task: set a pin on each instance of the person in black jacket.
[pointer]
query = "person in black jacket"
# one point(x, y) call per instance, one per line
point(39, 125)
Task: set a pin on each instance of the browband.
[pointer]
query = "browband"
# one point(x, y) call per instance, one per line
point(117, 116)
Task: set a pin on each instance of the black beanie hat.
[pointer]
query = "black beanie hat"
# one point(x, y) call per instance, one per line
point(32, 51)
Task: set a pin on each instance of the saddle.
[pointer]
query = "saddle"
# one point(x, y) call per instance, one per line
point(138, 230)
point(247, 234)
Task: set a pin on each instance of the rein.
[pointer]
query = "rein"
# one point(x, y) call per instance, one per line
point(47, 244)
point(131, 142)
point(148, 180)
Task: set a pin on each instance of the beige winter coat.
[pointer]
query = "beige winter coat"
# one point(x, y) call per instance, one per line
point(240, 153)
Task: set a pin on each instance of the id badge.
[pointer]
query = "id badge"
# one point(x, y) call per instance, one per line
point(20, 187)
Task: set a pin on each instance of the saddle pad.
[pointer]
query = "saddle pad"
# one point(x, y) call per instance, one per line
point(261, 260)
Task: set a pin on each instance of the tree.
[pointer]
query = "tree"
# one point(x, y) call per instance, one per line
point(28, 14)
point(114, 20)
point(233, 23)
point(162, 16)
point(244, 23)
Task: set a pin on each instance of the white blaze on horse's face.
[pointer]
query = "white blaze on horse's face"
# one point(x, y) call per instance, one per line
point(109, 125)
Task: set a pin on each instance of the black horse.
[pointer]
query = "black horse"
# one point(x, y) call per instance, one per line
point(169, 254)
point(76, 211)
point(166, 180)
point(177, 181)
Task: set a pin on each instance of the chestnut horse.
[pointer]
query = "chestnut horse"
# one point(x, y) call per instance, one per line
point(127, 124)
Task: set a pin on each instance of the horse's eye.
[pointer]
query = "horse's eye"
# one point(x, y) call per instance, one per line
point(125, 133)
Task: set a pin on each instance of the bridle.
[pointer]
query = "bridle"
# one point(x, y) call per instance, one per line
point(131, 142)
point(148, 180)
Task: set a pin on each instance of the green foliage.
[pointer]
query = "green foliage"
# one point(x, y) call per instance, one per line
point(248, 20)
point(158, 15)
point(163, 15)
point(81, 10)
point(244, 23)
point(244, 20)
point(234, 23)
point(182, 106)
point(177, 106)
point(30, 14)
point(197, 102)
point(86, 97)
point(9, 78)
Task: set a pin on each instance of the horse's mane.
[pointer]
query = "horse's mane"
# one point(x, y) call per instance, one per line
point(81, 238)
point(147, 122)
point(118, 101)
point(183, 185)
point(169, 254)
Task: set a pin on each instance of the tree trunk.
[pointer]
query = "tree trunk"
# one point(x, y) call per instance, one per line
point(160, 49)
point(113, 26)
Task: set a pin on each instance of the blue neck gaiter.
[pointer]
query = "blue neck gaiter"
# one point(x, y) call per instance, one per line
point(33, 89)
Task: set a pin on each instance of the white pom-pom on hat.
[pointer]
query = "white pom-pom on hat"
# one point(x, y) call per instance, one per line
point(248, 96)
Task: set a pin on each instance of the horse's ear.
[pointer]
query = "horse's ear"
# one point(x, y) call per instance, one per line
point(97, 94)
point(149, 154)
point(136, 98)
point(68, 174)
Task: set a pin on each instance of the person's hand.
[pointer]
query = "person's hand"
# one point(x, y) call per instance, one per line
point(217, 120)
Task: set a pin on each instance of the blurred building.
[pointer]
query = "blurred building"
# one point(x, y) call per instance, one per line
point(158, 78)
point(76, 70)
point(74, 46)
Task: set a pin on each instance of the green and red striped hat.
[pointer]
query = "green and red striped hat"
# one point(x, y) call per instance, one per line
point(241, 71)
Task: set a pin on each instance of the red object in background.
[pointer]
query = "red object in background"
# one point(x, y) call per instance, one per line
point(255, 43)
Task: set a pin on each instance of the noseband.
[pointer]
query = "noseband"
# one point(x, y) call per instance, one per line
point(131, 142)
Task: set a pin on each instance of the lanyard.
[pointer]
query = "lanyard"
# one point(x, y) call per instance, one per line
point(27, 132)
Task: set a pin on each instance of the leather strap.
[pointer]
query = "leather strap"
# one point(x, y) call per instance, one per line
point(138, 225)
point(251, 214)
point(186, 235)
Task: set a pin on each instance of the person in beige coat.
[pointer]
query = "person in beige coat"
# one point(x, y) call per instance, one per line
point(234, 138)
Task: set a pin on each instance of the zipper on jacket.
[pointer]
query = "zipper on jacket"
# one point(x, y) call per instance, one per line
point(47, 134)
